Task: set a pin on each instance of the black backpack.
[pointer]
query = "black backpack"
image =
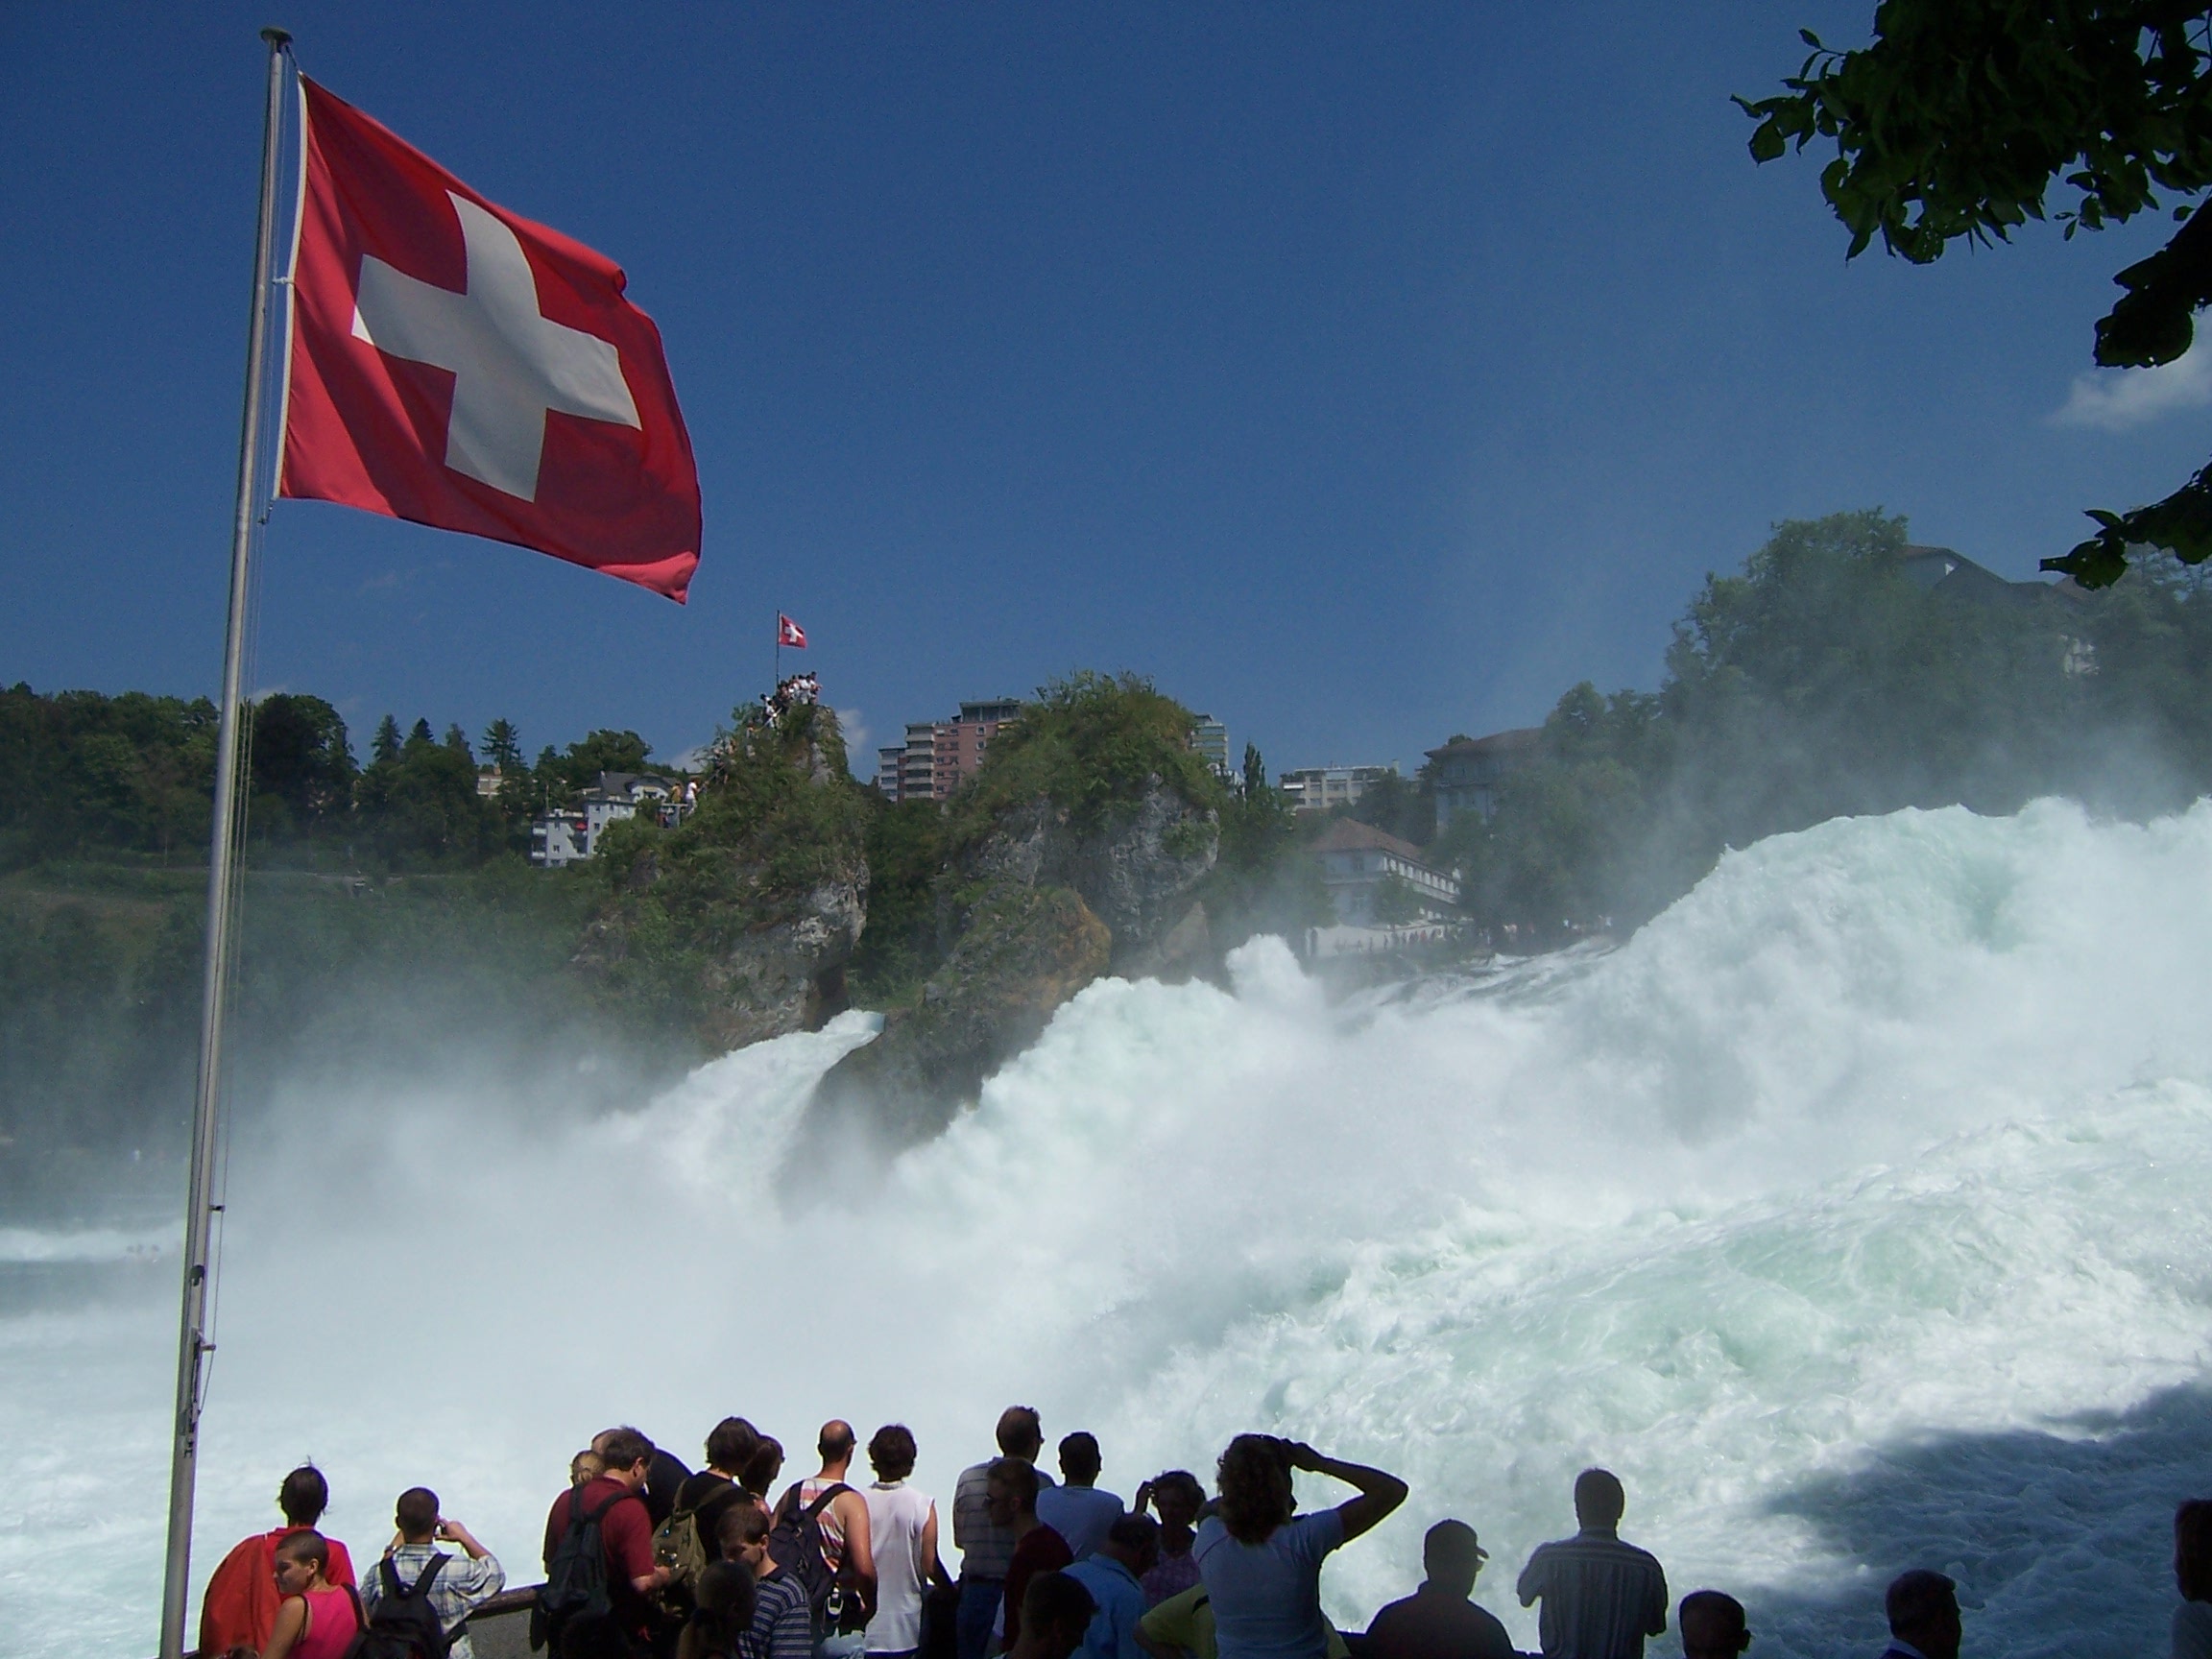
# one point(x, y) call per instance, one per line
point(403, 1626)
point(575, 1583)
point(795, 1546)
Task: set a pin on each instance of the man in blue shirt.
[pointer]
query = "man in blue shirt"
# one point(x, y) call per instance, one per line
point(1111, 1574)
point(1077, 1509)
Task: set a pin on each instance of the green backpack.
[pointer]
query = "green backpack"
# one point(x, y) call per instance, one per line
point(677, 1544)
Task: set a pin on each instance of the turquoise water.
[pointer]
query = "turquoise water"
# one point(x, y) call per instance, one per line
point(1852, 1211)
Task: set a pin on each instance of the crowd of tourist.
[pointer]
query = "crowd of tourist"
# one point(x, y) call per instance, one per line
point(645, 1559)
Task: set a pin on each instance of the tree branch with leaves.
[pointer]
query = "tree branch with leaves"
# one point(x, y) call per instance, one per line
point(1956, 121)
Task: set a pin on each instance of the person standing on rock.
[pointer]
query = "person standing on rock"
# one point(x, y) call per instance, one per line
point(987, 1548)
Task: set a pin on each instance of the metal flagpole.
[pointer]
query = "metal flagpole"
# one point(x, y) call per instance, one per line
point(192, 1344)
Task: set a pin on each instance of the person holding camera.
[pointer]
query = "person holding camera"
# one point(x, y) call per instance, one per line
point(1260, 1560)
point(462, 1586)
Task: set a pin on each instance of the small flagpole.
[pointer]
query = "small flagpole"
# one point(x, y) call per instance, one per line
point(779, 648)
point(192, 1344)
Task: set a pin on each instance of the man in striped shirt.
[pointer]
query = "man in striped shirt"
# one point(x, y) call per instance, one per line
point(782, 1622)
point(1601, 1597)
point(986, 1548)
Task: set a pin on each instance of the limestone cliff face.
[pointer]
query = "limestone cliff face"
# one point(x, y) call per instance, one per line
point(1135, 870)
point(739, 922)
point(787, 974)
point(1026, 951)
point(1034, 911)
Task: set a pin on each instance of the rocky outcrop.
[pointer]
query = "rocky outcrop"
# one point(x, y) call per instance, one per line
point(1032, 912)
point(739, 921)
point(1135, 870)
point(776, 975)
point(787, 974)
point(1026, 951)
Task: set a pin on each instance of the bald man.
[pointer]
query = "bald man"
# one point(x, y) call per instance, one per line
point(847, 1549)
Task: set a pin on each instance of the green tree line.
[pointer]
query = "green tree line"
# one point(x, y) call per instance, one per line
point(132, 774)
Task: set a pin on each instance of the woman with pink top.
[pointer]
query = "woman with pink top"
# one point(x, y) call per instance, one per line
point(317, 1620)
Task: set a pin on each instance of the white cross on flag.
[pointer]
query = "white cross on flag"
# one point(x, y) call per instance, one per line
point(457, 365)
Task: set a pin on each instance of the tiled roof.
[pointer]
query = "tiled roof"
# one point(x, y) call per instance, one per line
point(1350, 835)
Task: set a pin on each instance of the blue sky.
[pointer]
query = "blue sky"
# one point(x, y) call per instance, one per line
point(1360, 373)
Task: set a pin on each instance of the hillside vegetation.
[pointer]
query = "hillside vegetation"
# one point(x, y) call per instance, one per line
point(1822, 682)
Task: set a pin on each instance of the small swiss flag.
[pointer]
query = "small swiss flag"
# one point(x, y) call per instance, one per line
point(455, 364)
point(788, 632)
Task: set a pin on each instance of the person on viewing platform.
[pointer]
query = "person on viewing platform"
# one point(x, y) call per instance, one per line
point(1054, 1613)
point(2193, 1577)
point(586, 1467)
point(763, 1469)
point(662, 1482)
point(239, 1610)
point(1077, 1509)
point(1037, 1547)
point(616, 1496)
point(316, 1618)
point(706, 1494)
point(1114, 1573)
point(461, 1586)
point(722, 1607)
point(986, 1549)
point(1711, 1625)
point(1602, 1598)
point(1923, 1609)
point(847, 1549)
point(783, 1623)
point(1439, 1620)
point(1177, 1498)
point(1261, 1561)
point(902, 1533)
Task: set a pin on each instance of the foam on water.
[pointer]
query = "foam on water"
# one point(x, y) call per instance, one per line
point(1852, 1211)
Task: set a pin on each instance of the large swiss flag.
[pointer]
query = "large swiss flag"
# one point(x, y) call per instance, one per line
point(455, 364)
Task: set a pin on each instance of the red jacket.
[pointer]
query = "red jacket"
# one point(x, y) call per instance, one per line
point(240, 1607)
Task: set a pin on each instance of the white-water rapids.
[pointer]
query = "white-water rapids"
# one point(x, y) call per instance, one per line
point(1853, 1211)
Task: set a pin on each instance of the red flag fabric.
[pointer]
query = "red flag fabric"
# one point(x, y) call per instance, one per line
point(788, 632)
point(455, 364)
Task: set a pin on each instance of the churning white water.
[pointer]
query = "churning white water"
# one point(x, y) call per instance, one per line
point(1853, 1211)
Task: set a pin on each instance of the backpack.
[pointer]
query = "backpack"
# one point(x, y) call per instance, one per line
point(576, 1576)
point(677, 1544)
point(795, 1546)
point(403, 1626)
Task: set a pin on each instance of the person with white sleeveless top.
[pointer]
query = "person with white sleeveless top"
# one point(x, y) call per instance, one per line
point(902, 1526)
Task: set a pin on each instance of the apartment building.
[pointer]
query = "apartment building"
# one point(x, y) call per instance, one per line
point(1317, 788)
point(938, 756)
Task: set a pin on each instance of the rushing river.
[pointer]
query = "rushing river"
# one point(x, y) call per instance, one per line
point(1854, 1212)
